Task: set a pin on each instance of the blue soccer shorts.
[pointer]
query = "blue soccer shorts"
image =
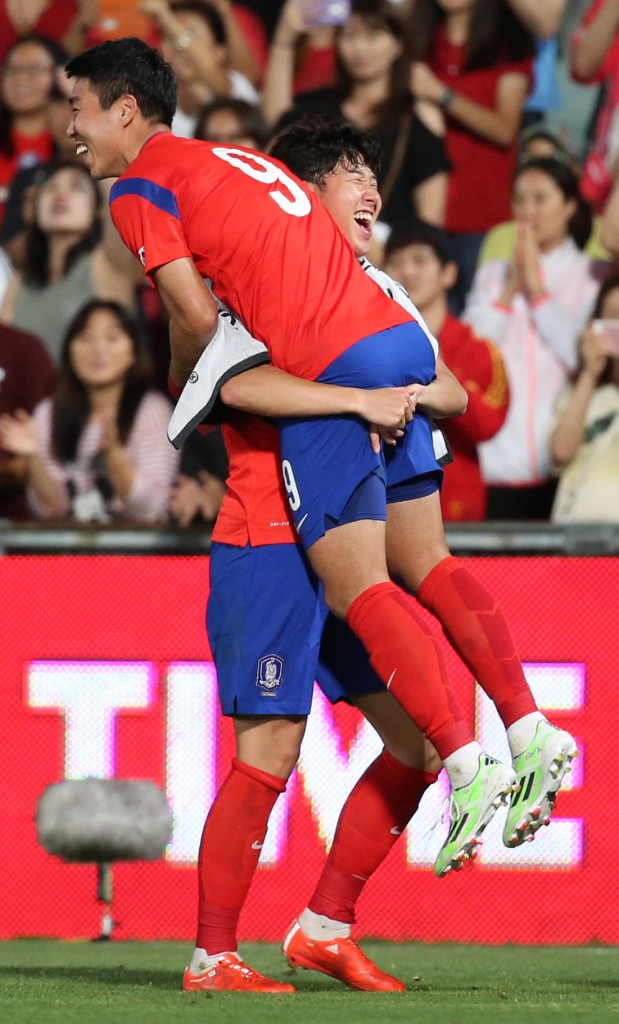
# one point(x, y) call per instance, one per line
point(326, 459)
point(265, 618)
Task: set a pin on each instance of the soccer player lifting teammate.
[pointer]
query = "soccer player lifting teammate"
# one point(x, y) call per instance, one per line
point(191, 210)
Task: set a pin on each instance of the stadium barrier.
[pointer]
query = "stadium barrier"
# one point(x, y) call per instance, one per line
point(107, 674)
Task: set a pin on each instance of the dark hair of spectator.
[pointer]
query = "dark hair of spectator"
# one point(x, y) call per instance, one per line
point(381, 16)
point(71, 403)
point(609, 285)
point(128, 66)
point(251, 122)
point(419, 232)
point(36, 267)
point(210, 16)
point(58, 56)
point(495, 33)
point(581, 222)
point(313, 147)
point(535, 133)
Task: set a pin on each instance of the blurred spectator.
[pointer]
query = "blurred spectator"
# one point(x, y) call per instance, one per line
point(473, 60)
point(267, 10)
point(232, 121)
point(201, 484)
point(6, 271)
point(585, 440)
point(116, 19)
point(72, 255)
point(26, 378)
point(372, 92)
point(544, 20)
point(534, 307)
point(193, 41)
point(536, 141)
point(27, 80)
point(63, 21)
point(418, 257)
point(98, 450)
point(609, 223)
point(20, 207)
point(308, 58)
point(595, 58)
point(246, 37)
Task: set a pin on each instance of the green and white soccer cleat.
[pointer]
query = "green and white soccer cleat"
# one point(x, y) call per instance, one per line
point(540, 770)
point(471, 808)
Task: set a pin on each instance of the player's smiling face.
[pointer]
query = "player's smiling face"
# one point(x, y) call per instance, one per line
point(97, 133)
point(351, 197)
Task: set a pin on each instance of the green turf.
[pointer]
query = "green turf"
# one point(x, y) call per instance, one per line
point(113, 983)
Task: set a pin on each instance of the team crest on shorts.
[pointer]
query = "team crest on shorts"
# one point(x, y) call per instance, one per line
point(270, 674)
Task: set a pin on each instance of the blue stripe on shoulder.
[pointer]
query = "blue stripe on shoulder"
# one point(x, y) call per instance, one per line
point(159, 196)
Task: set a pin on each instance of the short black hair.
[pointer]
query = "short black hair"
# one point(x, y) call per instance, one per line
point(122, 66)
point(313, 147)
point(419, 232)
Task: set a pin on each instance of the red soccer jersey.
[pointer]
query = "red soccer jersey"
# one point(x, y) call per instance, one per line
point(273, 253)
point(479, 367)
point(255, 508)
point(478, 193)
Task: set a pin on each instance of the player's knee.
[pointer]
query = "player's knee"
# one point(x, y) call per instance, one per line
point(283, 758)
point(432, 762)
point(337, 602)
point(274, 747)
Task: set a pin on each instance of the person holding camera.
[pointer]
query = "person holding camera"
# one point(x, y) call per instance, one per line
point(585, 441)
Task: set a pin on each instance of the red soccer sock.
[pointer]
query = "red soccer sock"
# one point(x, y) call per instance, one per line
point(408, 660)
point(231, 841)
point(476, 628)
point(376, 812)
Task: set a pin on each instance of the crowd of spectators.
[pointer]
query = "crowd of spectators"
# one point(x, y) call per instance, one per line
point(502, 224)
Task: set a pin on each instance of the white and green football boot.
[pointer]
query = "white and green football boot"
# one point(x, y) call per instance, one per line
point(540, 770)
point(471, 808)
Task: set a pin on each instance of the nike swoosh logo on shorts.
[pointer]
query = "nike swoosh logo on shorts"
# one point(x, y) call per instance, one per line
point(301, 521)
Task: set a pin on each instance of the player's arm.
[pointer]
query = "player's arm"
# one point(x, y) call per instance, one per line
point(268, 391)
point(444, 397)
point(263, 390)
point(192, 311)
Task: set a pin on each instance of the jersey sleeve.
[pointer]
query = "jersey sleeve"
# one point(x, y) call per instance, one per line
point(147, 218)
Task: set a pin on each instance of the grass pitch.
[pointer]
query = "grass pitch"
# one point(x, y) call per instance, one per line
point(54, 982)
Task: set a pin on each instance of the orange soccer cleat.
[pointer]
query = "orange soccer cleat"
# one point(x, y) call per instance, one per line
point(339, 958)
point(230, 974)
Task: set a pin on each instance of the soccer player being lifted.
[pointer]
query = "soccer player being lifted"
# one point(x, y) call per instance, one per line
point(192, 210)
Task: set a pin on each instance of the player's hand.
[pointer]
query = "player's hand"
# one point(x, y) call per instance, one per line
point(387, 410)
point(387, 407)
point(18, 434)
